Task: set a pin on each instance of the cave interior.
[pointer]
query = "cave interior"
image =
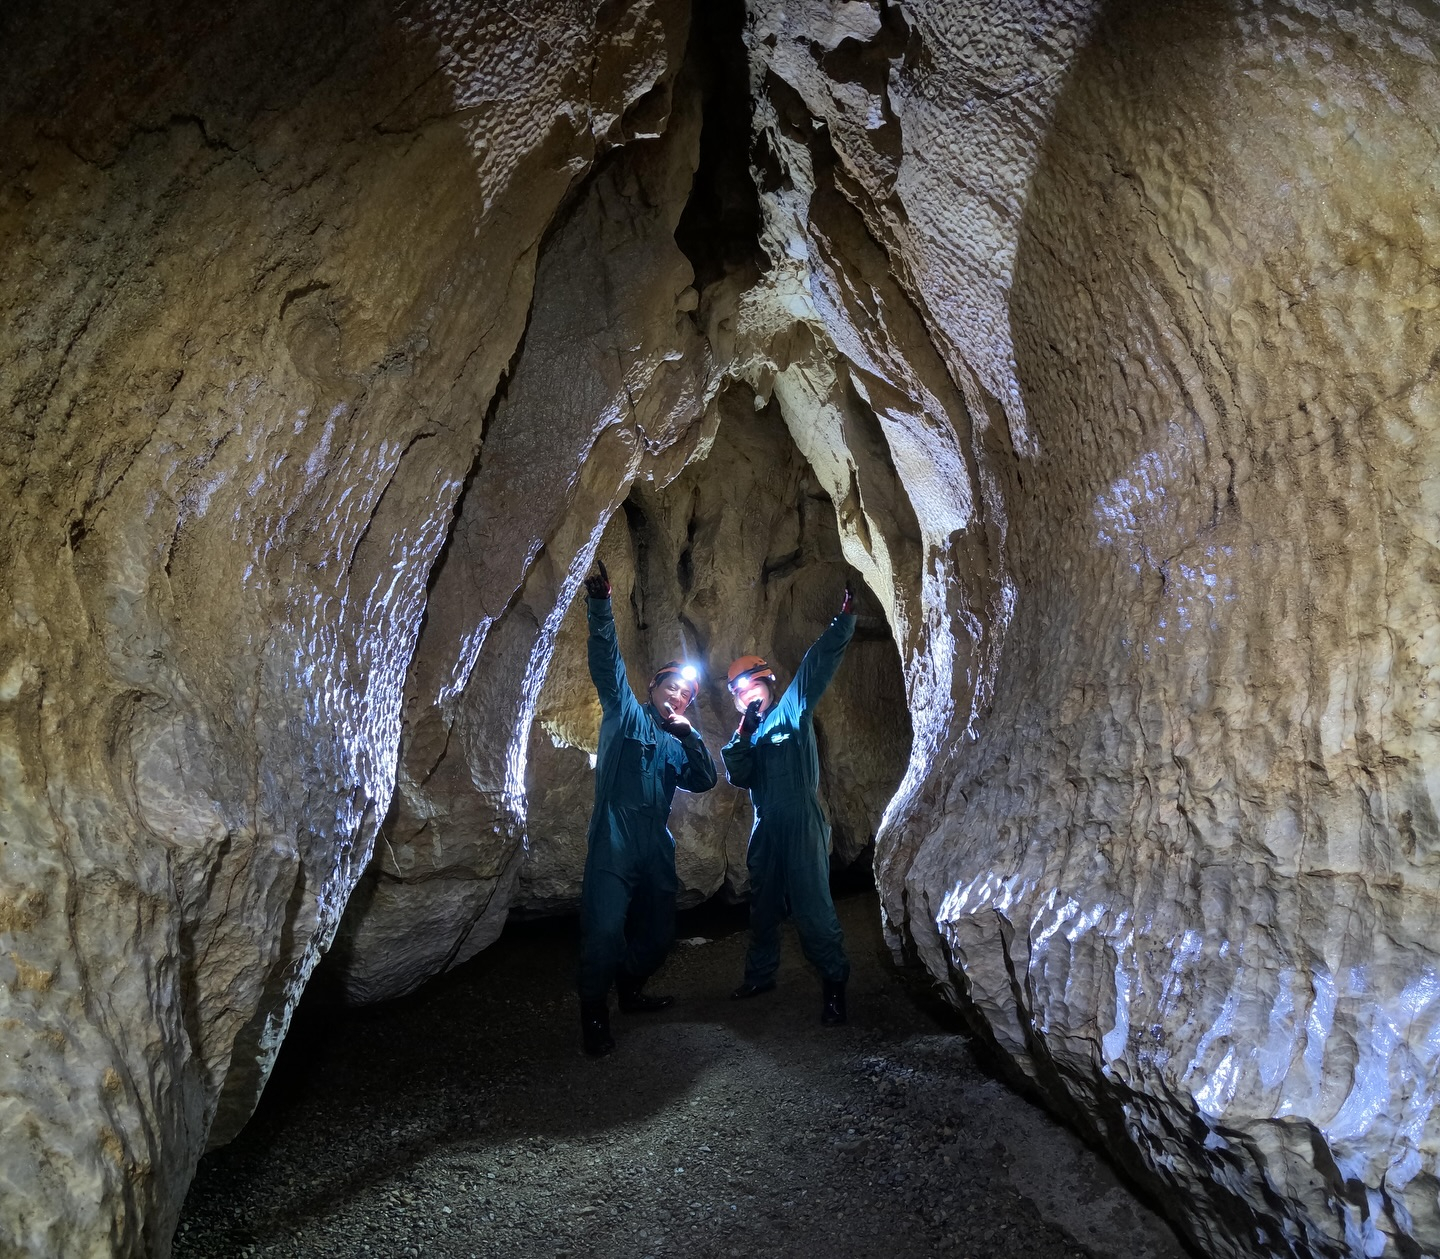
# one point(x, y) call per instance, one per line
point(1084, 338)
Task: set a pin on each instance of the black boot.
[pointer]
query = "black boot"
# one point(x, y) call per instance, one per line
point(595, 1028)
point(633, 1001)
point(833, 1012)
point(747, 989)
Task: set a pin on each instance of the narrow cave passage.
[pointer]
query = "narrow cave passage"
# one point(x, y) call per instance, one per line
point(739, 553)
point(463, 1121)
point(337, 335)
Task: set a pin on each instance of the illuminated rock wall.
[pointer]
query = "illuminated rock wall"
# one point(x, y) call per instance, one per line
point(335, 336)
point(613, 388)
point(738, 554)
point(1180, 862)
point(608, 384)
point(263, 267)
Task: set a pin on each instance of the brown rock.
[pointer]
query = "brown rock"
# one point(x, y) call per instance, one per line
point(610, 377)
point(1168, 846)
point(1107, 331)
point(263, 268)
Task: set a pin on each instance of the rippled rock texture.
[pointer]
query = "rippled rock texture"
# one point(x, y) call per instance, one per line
point(613, 390)
point(264, 267)
point(338, 337)
point(738, 554)
point(1173, 847)
point(609, 383)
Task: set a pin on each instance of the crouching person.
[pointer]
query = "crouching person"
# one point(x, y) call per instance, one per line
point(773, 755)
point(646, 751)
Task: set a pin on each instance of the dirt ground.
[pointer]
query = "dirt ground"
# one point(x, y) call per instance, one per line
point(464, 1121)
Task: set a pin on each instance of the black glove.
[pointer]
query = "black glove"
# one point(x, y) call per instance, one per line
point(597, 585)
point(847, 605)
point(750, 722)
point(673, 723)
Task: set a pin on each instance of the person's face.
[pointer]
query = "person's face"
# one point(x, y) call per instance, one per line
point(749, 691)
point(673, 690)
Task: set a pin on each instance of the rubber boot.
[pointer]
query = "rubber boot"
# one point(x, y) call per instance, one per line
point(747, 990)
point(833, 1012)
point(633, 1001)
point(595, 1028)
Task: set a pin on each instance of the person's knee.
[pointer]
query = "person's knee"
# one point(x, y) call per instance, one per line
point(819, 931)
point(602, 930)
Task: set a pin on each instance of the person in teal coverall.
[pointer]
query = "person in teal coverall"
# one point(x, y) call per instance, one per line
point(646, 751)
point(773, 754)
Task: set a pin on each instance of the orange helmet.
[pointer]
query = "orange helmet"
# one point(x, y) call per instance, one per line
point(747, 668)
point(687, 673)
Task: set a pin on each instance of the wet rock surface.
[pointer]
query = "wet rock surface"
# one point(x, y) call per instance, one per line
point(464, 1121)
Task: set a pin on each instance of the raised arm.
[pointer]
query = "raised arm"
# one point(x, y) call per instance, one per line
point(607, 669)
point(823, 659)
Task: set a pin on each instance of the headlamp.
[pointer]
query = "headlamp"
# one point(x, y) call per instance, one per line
point(687, 673)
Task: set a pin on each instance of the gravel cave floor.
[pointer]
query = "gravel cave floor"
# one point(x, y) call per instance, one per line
point(464, 1121)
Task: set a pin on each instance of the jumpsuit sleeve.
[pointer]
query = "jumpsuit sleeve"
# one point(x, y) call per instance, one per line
point(698, 772)
point(607, 670)
point(822, 660)
point(738, 756)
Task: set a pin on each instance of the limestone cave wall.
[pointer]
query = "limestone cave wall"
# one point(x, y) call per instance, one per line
point(1097, 339)
point(739, 554)
point(264, 267)
point(1170, 845)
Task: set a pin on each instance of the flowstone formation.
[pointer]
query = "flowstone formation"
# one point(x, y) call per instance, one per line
point(1172, 847)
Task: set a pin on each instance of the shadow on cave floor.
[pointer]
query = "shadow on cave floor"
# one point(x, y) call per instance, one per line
point(464, 1121)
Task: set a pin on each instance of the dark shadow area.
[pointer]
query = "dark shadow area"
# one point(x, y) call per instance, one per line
point(720, 229)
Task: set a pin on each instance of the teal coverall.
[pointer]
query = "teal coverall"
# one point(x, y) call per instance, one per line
point(630, 869)
point(789, 855)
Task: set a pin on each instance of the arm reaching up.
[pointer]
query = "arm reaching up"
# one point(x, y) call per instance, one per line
point(597, 585)
point(607, 669)
point(826, 653)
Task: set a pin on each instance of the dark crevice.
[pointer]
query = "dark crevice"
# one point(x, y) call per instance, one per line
point(295, 294)
point(638, 526)
point(782, 566)
point(719, 230)
point(685, 565)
